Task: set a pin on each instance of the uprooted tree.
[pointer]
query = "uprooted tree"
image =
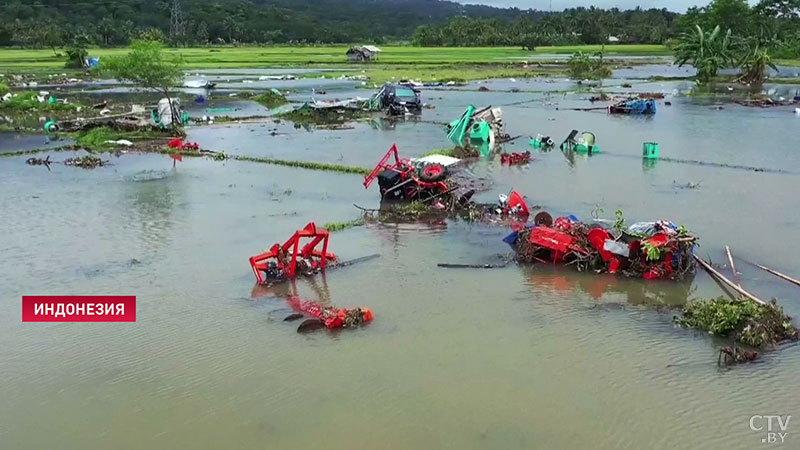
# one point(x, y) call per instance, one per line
point(148, 67)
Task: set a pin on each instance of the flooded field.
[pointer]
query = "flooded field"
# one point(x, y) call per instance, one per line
point(515, 357)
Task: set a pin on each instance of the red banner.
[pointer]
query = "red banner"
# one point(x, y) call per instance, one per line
point(79, 308)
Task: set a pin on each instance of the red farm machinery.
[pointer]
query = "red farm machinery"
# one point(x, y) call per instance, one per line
point(293, 257)
point(405, 179)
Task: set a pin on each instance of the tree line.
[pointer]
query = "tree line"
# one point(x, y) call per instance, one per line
point(774, 24)
point(536, 28)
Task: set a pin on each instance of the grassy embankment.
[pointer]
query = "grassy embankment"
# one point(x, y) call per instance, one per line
point(17, 60)
point(395, 62)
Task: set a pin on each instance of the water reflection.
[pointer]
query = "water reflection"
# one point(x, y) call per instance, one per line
point(151, 200)
point(563, 281)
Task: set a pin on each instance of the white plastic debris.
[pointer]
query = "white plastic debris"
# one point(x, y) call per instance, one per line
point(124, 142)
point(438, 159)
point(137, 109)
point(617, 248)
point(105, 112)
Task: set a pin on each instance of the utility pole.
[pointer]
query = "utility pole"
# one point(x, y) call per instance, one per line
point(176, 24)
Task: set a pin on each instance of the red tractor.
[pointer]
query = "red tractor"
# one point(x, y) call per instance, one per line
point(284, 261)
point(406, 180)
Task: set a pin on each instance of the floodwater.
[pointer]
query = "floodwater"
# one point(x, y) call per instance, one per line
point(518, 357)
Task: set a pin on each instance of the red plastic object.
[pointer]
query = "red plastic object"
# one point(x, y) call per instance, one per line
point(411, 183)
point(597, 237)
point(562, 224)
point(515, 200)
point(279, 255)
point(515, 158)
point(556, 241)
point(180, 145)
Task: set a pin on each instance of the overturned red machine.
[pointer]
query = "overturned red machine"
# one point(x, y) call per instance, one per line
point(285, 261)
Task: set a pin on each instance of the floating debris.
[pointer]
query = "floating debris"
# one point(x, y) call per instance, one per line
point(649, 250)
point(745, 322)
point(39, 162)
point(85, 162)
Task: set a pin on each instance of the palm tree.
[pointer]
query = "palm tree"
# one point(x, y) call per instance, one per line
point(706, 51)
point(753, 65)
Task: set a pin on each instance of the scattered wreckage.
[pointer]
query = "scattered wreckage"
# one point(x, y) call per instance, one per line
point(649, 250)
point(476, 127)
point(285, 262)
point(407, 179)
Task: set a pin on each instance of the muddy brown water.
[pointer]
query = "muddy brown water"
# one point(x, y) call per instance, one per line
point(517, 357)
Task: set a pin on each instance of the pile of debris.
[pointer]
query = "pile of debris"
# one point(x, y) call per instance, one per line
point(749, 325)
point(477, 127)
point(766, 102)
point(85, 162)
point(649, 250)
point(328, 317)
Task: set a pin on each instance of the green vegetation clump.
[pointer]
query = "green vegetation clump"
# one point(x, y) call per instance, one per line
point(744, 321)
point(326, 116)
point(304, 164)
point(339, 226)
point(441, 151)
point(96, 139)
point(455, 152)
point(582, 67)
point(271, 99)
point(27, 101)
point(3, 89)
point(708, 51)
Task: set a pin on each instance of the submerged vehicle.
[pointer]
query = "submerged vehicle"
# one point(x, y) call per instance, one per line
point(398, 99)
point(637, 106)
point(406, 179)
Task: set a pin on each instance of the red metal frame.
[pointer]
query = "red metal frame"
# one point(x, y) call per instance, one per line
point(292, 246)
point(407, 171)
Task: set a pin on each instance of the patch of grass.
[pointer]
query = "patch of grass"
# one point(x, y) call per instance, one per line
point(328, 116)
point(27, 101)
point(95, 139)
point(339, 226)
point(444, 73)
point(285, 55)
point(271, 99)
point(3, 89)
point(304, 164)
point(440, 151)
point(35, 151)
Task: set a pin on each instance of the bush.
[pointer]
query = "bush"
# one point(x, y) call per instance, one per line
point(76, 58)
point(743, 320)
point(582, 66)
point(271, 99)
point(27, 101)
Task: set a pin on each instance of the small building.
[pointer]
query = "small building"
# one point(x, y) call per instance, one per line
point(363, 53)
point(613, 39)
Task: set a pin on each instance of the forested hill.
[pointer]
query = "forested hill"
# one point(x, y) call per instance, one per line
point(115, 22)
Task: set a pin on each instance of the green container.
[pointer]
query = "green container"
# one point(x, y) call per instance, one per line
point(650, 150)
point(480, 131)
